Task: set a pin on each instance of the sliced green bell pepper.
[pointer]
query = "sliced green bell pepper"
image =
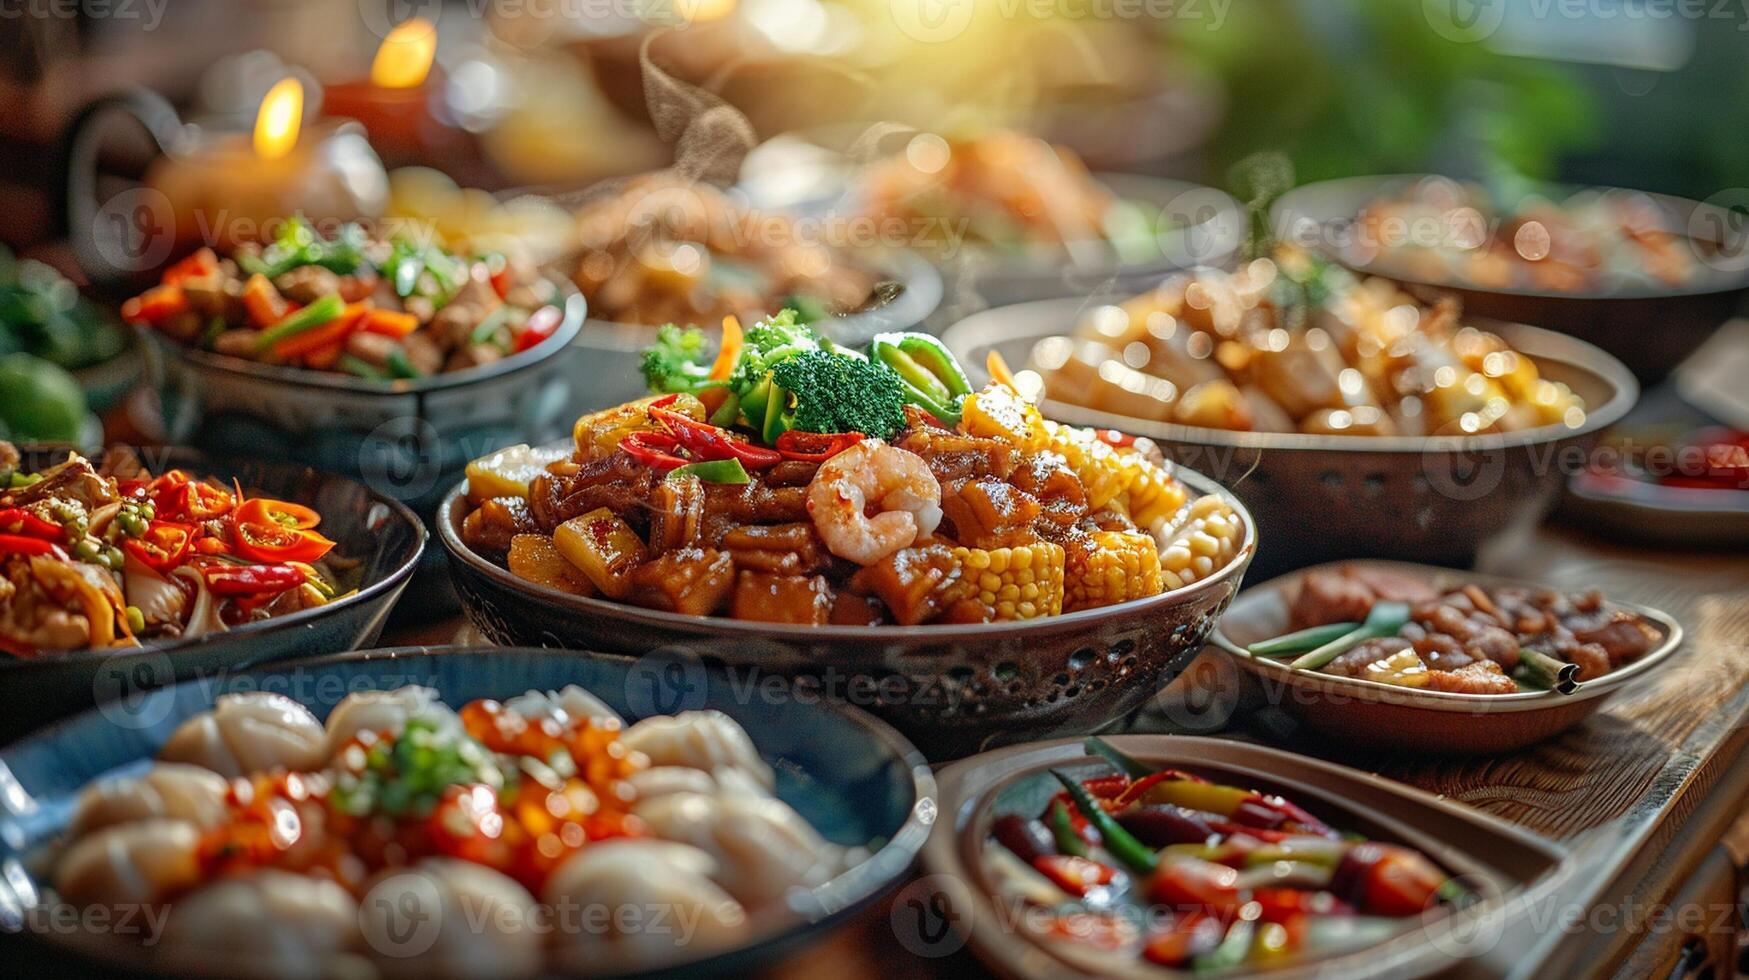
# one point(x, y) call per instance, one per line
point(310, 317)
point(713, 471)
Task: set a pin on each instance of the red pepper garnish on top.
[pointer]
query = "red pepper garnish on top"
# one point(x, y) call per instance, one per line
point(653, 449)
point(248, 580)
point(17, 520)
point(18, 544)
point(815, 447)
point(706, 442)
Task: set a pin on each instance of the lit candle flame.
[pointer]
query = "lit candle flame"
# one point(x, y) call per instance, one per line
point(404, 59)
point(276, 124)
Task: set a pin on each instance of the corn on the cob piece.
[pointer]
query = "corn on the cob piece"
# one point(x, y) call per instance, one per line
point(1112, 567)
point(1023, 582)
point(1203, 541)
point(1144, 491)
point(1151, 493)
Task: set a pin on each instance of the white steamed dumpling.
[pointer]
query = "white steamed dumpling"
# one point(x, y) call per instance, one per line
point(136, 863)
point(640, 904)
point(173, 790)
point(449, 919)
point(763, 847)
point(570, 702)
point(708, 740)
point(387, 711)
point(249, 733)
point(267, 923)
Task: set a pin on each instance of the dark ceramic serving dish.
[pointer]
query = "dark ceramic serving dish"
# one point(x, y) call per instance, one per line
point(1319, 498)
point(1355, 711)
point(377, 533)
point(953, 690)
point(1507, 867)
point(1651, 327)
point(407, 438)
point(853, 778)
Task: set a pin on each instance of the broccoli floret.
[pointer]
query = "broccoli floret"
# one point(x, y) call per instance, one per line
point(676, 361)
point(765, 344)
point(838, 393)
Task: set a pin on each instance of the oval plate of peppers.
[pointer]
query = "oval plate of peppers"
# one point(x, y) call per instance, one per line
point(115, 577)
point(1154, 856)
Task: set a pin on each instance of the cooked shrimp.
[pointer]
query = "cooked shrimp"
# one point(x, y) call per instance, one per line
point(895, 483)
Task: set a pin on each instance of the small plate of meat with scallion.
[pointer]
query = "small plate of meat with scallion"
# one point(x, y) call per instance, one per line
point(1357, 648)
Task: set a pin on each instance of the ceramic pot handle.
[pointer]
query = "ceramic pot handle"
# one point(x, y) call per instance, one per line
point(132, 232)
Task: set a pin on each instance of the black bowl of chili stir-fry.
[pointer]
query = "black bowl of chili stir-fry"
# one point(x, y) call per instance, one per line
point(115, 576)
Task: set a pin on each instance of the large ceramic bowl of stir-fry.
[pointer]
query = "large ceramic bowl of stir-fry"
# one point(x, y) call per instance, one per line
point(132, 571)
point(452, 813)
point(1645, 276)
point(1410, 429)
point(381, 355)
point(970, 568)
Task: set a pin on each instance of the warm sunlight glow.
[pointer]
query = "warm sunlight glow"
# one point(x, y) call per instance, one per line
point(276, 125)
point(404, 59)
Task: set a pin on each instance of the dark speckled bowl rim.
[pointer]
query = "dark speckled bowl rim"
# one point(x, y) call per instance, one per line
point(980, 330)
point(394, 580)
point(1359, 689)
point(744, 629)
point(571, 304)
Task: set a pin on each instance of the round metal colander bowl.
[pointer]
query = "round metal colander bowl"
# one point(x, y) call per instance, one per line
point(951, 689)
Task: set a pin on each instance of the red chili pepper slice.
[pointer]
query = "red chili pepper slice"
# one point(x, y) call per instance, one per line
point(163, 546)
point(815, 447)
point(653, 449)
point(261, 510)
point(541, 325)
point(18, 544)
point(1075, 875)
point(707, 442)
point(250, 580)
point(17, 520)
point(277, 543)
point(193, 501)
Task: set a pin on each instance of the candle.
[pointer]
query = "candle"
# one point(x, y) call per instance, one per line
point(402, 104)
point(230, 187)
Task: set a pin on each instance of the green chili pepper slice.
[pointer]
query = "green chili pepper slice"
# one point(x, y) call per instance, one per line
point(713, 471)
point(310, 317)
point(1117, 840)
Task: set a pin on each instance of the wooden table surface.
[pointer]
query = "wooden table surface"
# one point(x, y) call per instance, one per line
point(1638, 794)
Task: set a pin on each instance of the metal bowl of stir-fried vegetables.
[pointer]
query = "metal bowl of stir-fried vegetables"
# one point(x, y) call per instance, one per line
point(1434, 498)
point(1475, 667)
point(390, 360)
point(183, 579)
point(1002, 576)
point(1148, 856)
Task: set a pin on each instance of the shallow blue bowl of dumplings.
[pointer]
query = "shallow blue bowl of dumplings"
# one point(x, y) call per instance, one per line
point(853, 778)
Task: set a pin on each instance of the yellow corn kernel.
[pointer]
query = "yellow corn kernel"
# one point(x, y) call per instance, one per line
point(1117, 566)
point(1095, 462)
point(1205, 539)
point(1151, 493)
point(1022, 582)
point(998, 413)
